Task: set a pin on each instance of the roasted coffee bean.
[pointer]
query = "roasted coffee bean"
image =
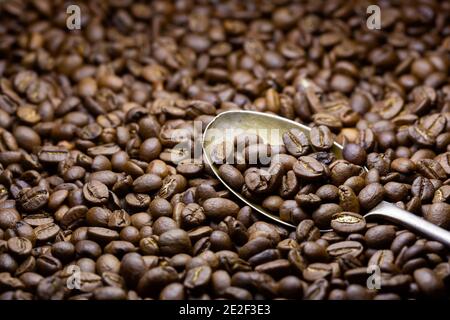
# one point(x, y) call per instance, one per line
point(174, 241)
point(198, 277)
point(63, 250)
point(88, 248)
point(171, 185)
point(254, 246)
point(348, 222)
point(309, 168)
point(102, 235)
point(348, 201)
point(439, 214)
point(155, 279)
point(321, 138)
point(219, 208)
point(19, 246)
point(371, 195)
point(47, 265)
point(431, 169)
point(297, 143)
point(8, 218)
point(318, 290)
point(33, 199)
point(380, 237)
point(232, 176)
point(52, 154)
point(339, 249)
point(306, 231)
point(428, 283)
point(46, 232)
point(328, 193)
point(422, 188)
point(95, 192)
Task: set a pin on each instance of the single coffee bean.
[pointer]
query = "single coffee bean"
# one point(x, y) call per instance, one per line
point(88, 248)
point(306, 231)
point(296, 142)
point(317, 271)
point(232, 176)
point(371, 195)
point(342, 248)
point(173, 291)
point(348, 222)
point(328, 193)
point(8, 218)
point(198, 277)
point(309, 168)
point(423, 188)
point(147, 183)
point(19, 246)
point(33, 199)
point(439, 214)
point(95, 192)
point(321, 138)
point(174, 241)
point(155, 279)
point(219, 208)
point(429, 284)
point(380, 237)
point(354, 153)
point(47, 265)
point(348, 201)
point(46, 232)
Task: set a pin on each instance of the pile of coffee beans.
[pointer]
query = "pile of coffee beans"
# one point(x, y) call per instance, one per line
point(102, 195)
point(298, 180)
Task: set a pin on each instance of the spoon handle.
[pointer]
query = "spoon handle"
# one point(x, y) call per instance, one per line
point(393, 213)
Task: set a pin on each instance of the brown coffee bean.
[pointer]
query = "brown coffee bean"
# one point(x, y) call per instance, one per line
point(219, 208)
point(8, 218)
point(198, 277)
point(348, 222)
point(34, 198)
point(371, 195)
point(342, 248)
point(309, 168)
point(439, 214)
point(95, 192)
point(354, 153)
point(422, 188)
point(174, 241)
point(428, 283)
point(306, 231)
point(147, 183)
point(348, 201)
point(403, 165)
point(46, 232)
point(380, 237)
point(232, 176)
point(19, 246)
point(296, 142)
point(431, 169)
point(155, 279)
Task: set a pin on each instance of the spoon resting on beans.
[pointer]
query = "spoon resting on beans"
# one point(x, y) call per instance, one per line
point(274, 136)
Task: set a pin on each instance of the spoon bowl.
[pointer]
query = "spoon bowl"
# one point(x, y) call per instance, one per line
point(227, 125)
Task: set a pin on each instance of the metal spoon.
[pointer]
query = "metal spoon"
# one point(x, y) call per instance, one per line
point(226, 125)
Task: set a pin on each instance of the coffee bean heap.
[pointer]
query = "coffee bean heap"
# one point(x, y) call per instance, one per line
point(296, 182)
point(98, 200)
